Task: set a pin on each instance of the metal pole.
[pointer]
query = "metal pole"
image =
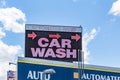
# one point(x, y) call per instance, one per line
point(80, 64)
point(12, 63)
point(82, 69)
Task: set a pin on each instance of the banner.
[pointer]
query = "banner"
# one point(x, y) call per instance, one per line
point(11, 75)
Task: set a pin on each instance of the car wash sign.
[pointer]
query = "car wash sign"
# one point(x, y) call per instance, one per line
point(62, 43)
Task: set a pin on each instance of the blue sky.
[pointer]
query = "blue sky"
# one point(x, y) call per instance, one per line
point(100, 20)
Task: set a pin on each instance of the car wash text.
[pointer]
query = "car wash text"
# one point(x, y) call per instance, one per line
point(53, 45)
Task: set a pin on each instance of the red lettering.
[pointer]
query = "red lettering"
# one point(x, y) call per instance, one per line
point(66, 42)
point(50, 53)
point(42, 42)
point(38, 52)
point(55, 43)
point(60, 53)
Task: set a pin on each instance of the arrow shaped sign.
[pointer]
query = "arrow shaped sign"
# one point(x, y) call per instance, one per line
point(57, 36)
point(32, 35)
point(76, 37)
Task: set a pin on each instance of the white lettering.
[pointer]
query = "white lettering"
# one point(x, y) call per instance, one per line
point(37, 75)
point(87, 76)
point(30, 76)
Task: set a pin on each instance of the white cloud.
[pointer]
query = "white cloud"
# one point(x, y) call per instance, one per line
point(115, 10)
point(7, 54)
point(87, 37)
point(12, 19)
point(2, 34)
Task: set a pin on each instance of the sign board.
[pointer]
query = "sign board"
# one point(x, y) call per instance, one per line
point(11, 75)
point(61, 43)
point(35, 69)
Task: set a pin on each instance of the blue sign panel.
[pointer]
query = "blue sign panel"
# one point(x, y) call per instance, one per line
point(32, 69)
point(36, 72)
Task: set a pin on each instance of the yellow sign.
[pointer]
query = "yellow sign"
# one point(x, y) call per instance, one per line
point(75, 74)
